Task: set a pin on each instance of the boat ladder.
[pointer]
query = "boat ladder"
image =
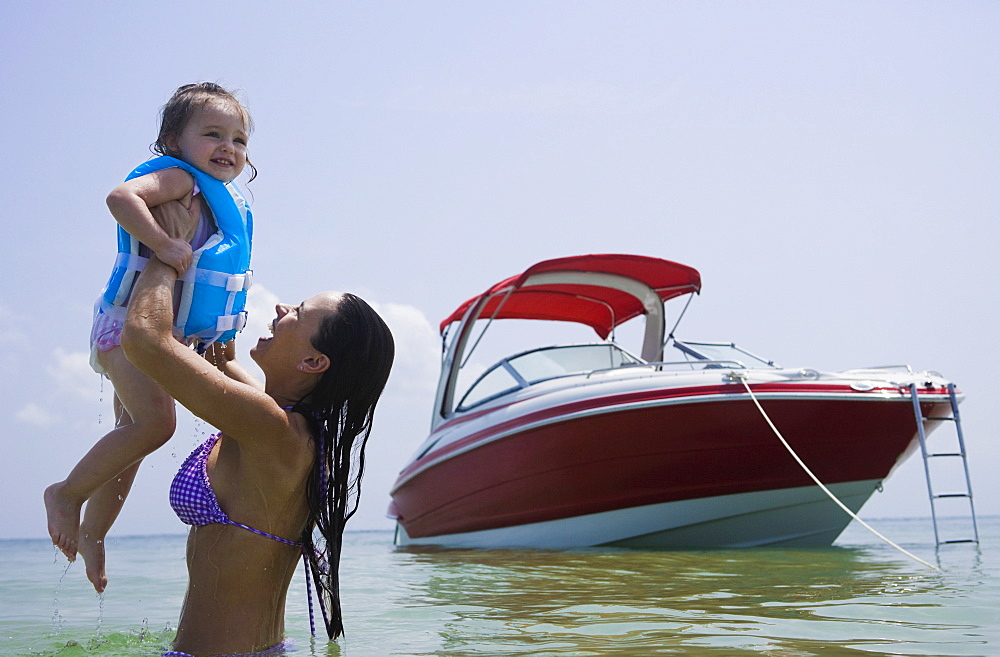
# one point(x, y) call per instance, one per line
point(949, 457)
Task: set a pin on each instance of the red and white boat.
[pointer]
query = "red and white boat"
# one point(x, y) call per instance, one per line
point(588, 444)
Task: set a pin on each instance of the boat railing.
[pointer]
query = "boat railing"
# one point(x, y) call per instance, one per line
point(882, 368)
point(690, 364)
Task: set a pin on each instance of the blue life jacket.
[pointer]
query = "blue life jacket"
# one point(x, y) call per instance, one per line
point(213, 290)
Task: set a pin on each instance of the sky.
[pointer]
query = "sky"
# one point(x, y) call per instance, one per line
point(829, 167)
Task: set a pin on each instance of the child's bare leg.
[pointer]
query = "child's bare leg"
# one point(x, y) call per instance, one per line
point(152, 412)
point(102, 510)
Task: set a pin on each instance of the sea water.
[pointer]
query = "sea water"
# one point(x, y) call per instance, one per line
point(860, 597)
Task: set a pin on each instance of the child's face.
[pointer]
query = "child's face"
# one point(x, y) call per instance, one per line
point(214, 140)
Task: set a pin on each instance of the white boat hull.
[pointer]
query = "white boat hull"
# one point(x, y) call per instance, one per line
point(805, 515)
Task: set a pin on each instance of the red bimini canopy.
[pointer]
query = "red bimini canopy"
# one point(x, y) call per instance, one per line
point(591, 303)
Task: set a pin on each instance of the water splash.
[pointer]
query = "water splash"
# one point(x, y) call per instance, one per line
point(100, 617)
point(58, 622)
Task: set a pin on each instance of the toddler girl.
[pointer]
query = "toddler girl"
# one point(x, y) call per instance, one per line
point(203, 133)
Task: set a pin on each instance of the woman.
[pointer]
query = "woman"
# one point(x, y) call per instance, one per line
point(281, 464)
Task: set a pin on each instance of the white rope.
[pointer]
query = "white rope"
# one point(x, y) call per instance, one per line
point(742, 377)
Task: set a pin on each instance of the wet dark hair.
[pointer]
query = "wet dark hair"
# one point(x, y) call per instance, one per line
point(339, 411)
point(188, 98)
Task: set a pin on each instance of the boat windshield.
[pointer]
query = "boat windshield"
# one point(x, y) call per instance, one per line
point(722, 352)
point(543, 364)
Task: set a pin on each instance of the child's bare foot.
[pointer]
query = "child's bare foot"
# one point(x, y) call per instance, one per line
point(92, 551)
point(64, 520)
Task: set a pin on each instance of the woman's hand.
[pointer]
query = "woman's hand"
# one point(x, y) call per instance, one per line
point(221, 354)
point(177, 221)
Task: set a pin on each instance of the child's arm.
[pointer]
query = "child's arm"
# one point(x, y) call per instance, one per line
point(130, 202)
point(223, 356)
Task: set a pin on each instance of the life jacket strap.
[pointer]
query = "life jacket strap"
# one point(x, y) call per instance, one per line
point(229, 282)
point(131, 261)
point(231, 322)
point(130, 264)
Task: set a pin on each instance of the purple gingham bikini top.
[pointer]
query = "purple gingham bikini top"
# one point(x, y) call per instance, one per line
point(194, 501)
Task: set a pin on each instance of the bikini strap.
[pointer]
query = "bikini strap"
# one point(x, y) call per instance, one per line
point(265, 534)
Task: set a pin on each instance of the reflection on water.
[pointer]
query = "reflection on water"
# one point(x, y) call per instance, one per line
point(770, 602)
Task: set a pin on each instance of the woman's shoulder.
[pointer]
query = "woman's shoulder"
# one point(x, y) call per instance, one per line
point(282, 445)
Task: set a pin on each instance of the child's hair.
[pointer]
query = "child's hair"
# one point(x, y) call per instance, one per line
point(181, 107)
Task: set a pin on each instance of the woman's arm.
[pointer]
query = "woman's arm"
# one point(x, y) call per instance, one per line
point(130, 204)
point(239, 410)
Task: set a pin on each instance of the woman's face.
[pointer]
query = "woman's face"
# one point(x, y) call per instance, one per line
point(292, 331)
